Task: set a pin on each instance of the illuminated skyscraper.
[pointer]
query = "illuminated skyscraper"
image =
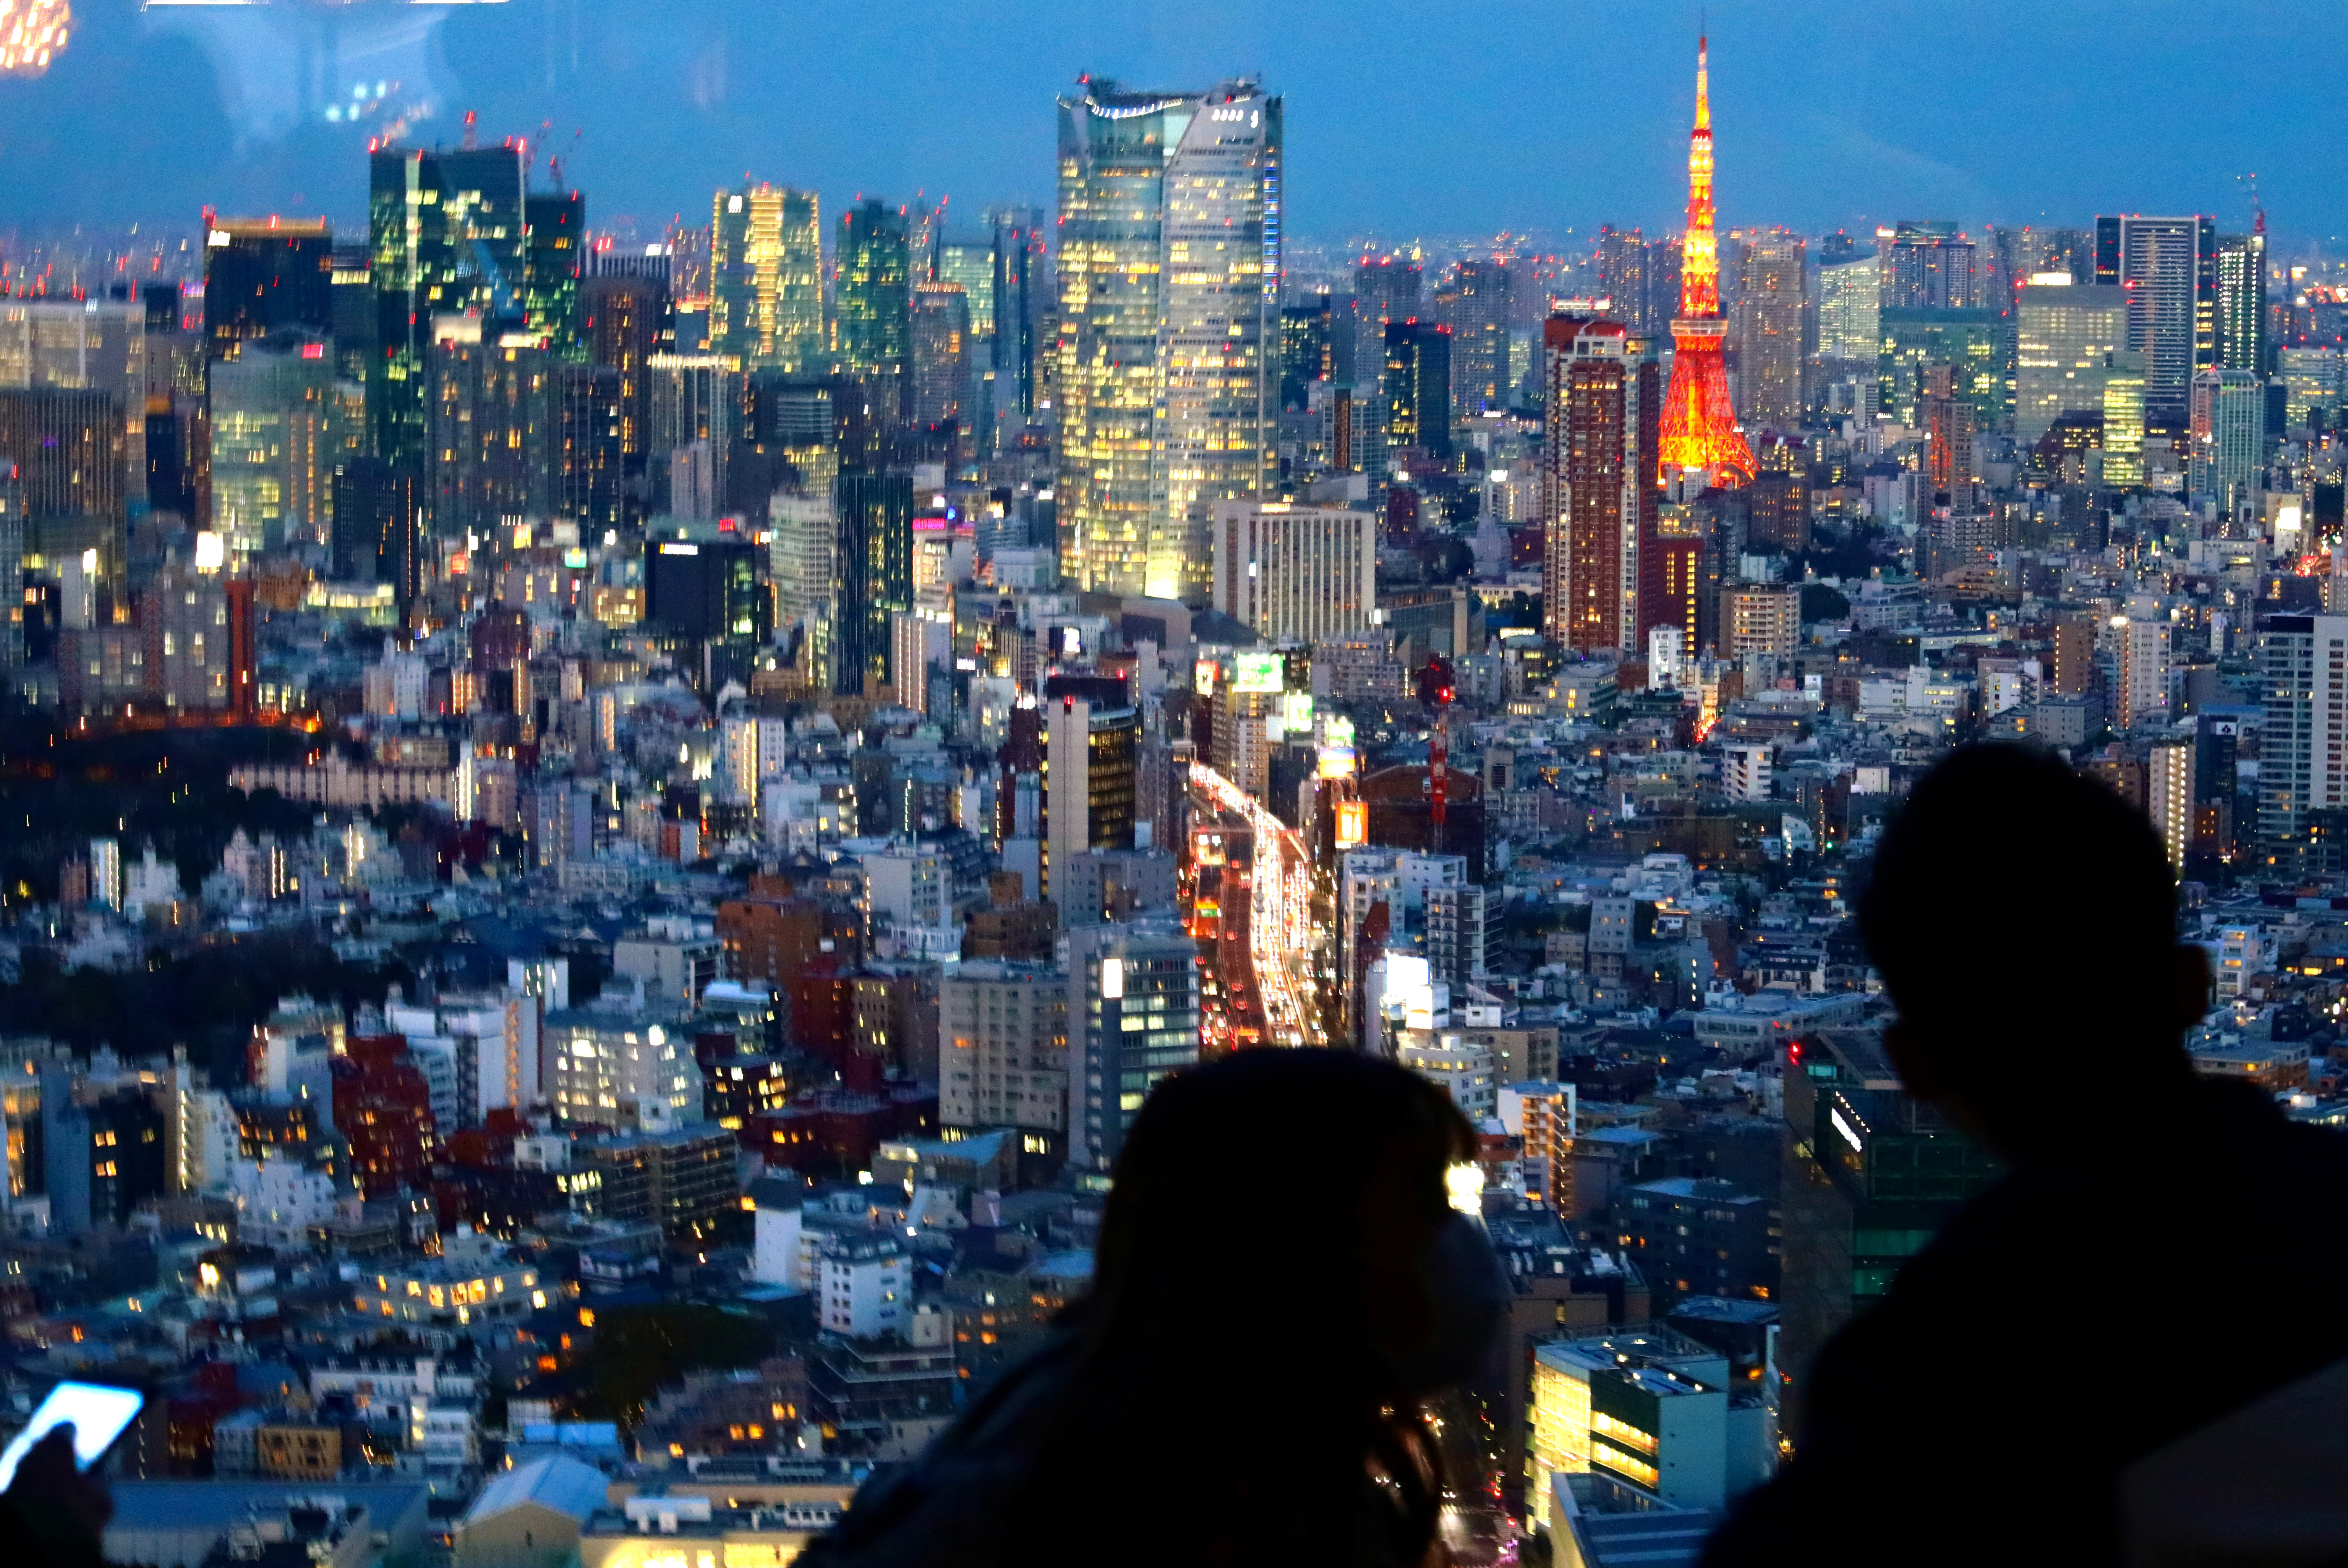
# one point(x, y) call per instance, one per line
point(2173, 317)
point(872, 306)
point(1170, 210)
point(2064, 336)
point(765, 305)
point(263, 276)
point(272, 446)
point(1850, 309)
point(2242, 300)
point(448, 231)
point(1699, 422)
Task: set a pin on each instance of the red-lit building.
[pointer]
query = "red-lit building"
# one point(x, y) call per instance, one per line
point(383, 1107)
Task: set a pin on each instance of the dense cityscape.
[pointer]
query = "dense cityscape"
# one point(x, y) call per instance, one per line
point(607, 829)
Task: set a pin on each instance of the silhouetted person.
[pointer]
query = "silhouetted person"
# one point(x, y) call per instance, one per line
point(1280, 1280)
point(54, 1515)
point(2163, 1250)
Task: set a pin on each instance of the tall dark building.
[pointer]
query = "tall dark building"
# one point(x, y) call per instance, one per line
point(1419, 387)
point(876, 570)
point(446, 232)
point(488, 424)
point(705, 589)
point(263, 276)
point(1308, 350)
point(1928, 266)
point(586, 415)
point(354, 312)
point(554, 257)
point(626, 318)
point(379, 527)
point(872, 304)
point(1018, 243)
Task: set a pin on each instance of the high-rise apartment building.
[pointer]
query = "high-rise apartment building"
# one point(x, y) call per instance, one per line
point(263, 276)
point(2172, 264)
point(448, 231)
point(2170, 796)
point(1133, 1018)
point(1771, 328)
point(1170, 219)
point(2065, 337)
point(1602, 457)
point(1928, 266)
point(1622, 281)
point(2303, 680)
point(1949, 431)
point(872, 282)
point(626, 320)
point(1477, 311)
point(2227, 431)
point(765, 283)
point(1292, 573)
point(2141, 657)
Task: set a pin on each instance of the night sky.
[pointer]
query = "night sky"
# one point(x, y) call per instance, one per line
point(1404, 119)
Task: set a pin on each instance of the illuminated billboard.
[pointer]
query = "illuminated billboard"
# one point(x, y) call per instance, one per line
point(1258, 673)
point(1353, 823)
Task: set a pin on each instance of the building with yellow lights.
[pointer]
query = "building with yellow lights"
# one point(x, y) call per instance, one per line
point(1648, 1408)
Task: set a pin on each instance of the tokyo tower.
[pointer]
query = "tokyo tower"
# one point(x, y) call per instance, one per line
point(1699, 426)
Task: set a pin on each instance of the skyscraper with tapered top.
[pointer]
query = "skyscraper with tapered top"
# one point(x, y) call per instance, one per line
point(1699, 424)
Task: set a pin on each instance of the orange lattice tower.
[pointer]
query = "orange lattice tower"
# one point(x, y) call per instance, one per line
point(1699, 427)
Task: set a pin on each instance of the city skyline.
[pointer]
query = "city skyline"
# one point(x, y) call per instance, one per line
point(648, 122)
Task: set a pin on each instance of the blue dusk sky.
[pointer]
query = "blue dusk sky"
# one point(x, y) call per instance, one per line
point(1404, 119)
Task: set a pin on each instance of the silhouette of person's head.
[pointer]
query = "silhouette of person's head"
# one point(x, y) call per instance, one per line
point(2024, 918)
point(1280, 1278)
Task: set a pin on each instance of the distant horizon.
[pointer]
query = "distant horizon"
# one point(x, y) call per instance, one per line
point(1399, 123)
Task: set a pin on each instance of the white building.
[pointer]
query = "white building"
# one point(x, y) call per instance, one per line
point(613, 1067)
point(1463, 1070)
point(1301, 572)
point(867, 1285)
point(491, 1041)
point(1003, 1046)
point(1744, 772)
point(277, 1201)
